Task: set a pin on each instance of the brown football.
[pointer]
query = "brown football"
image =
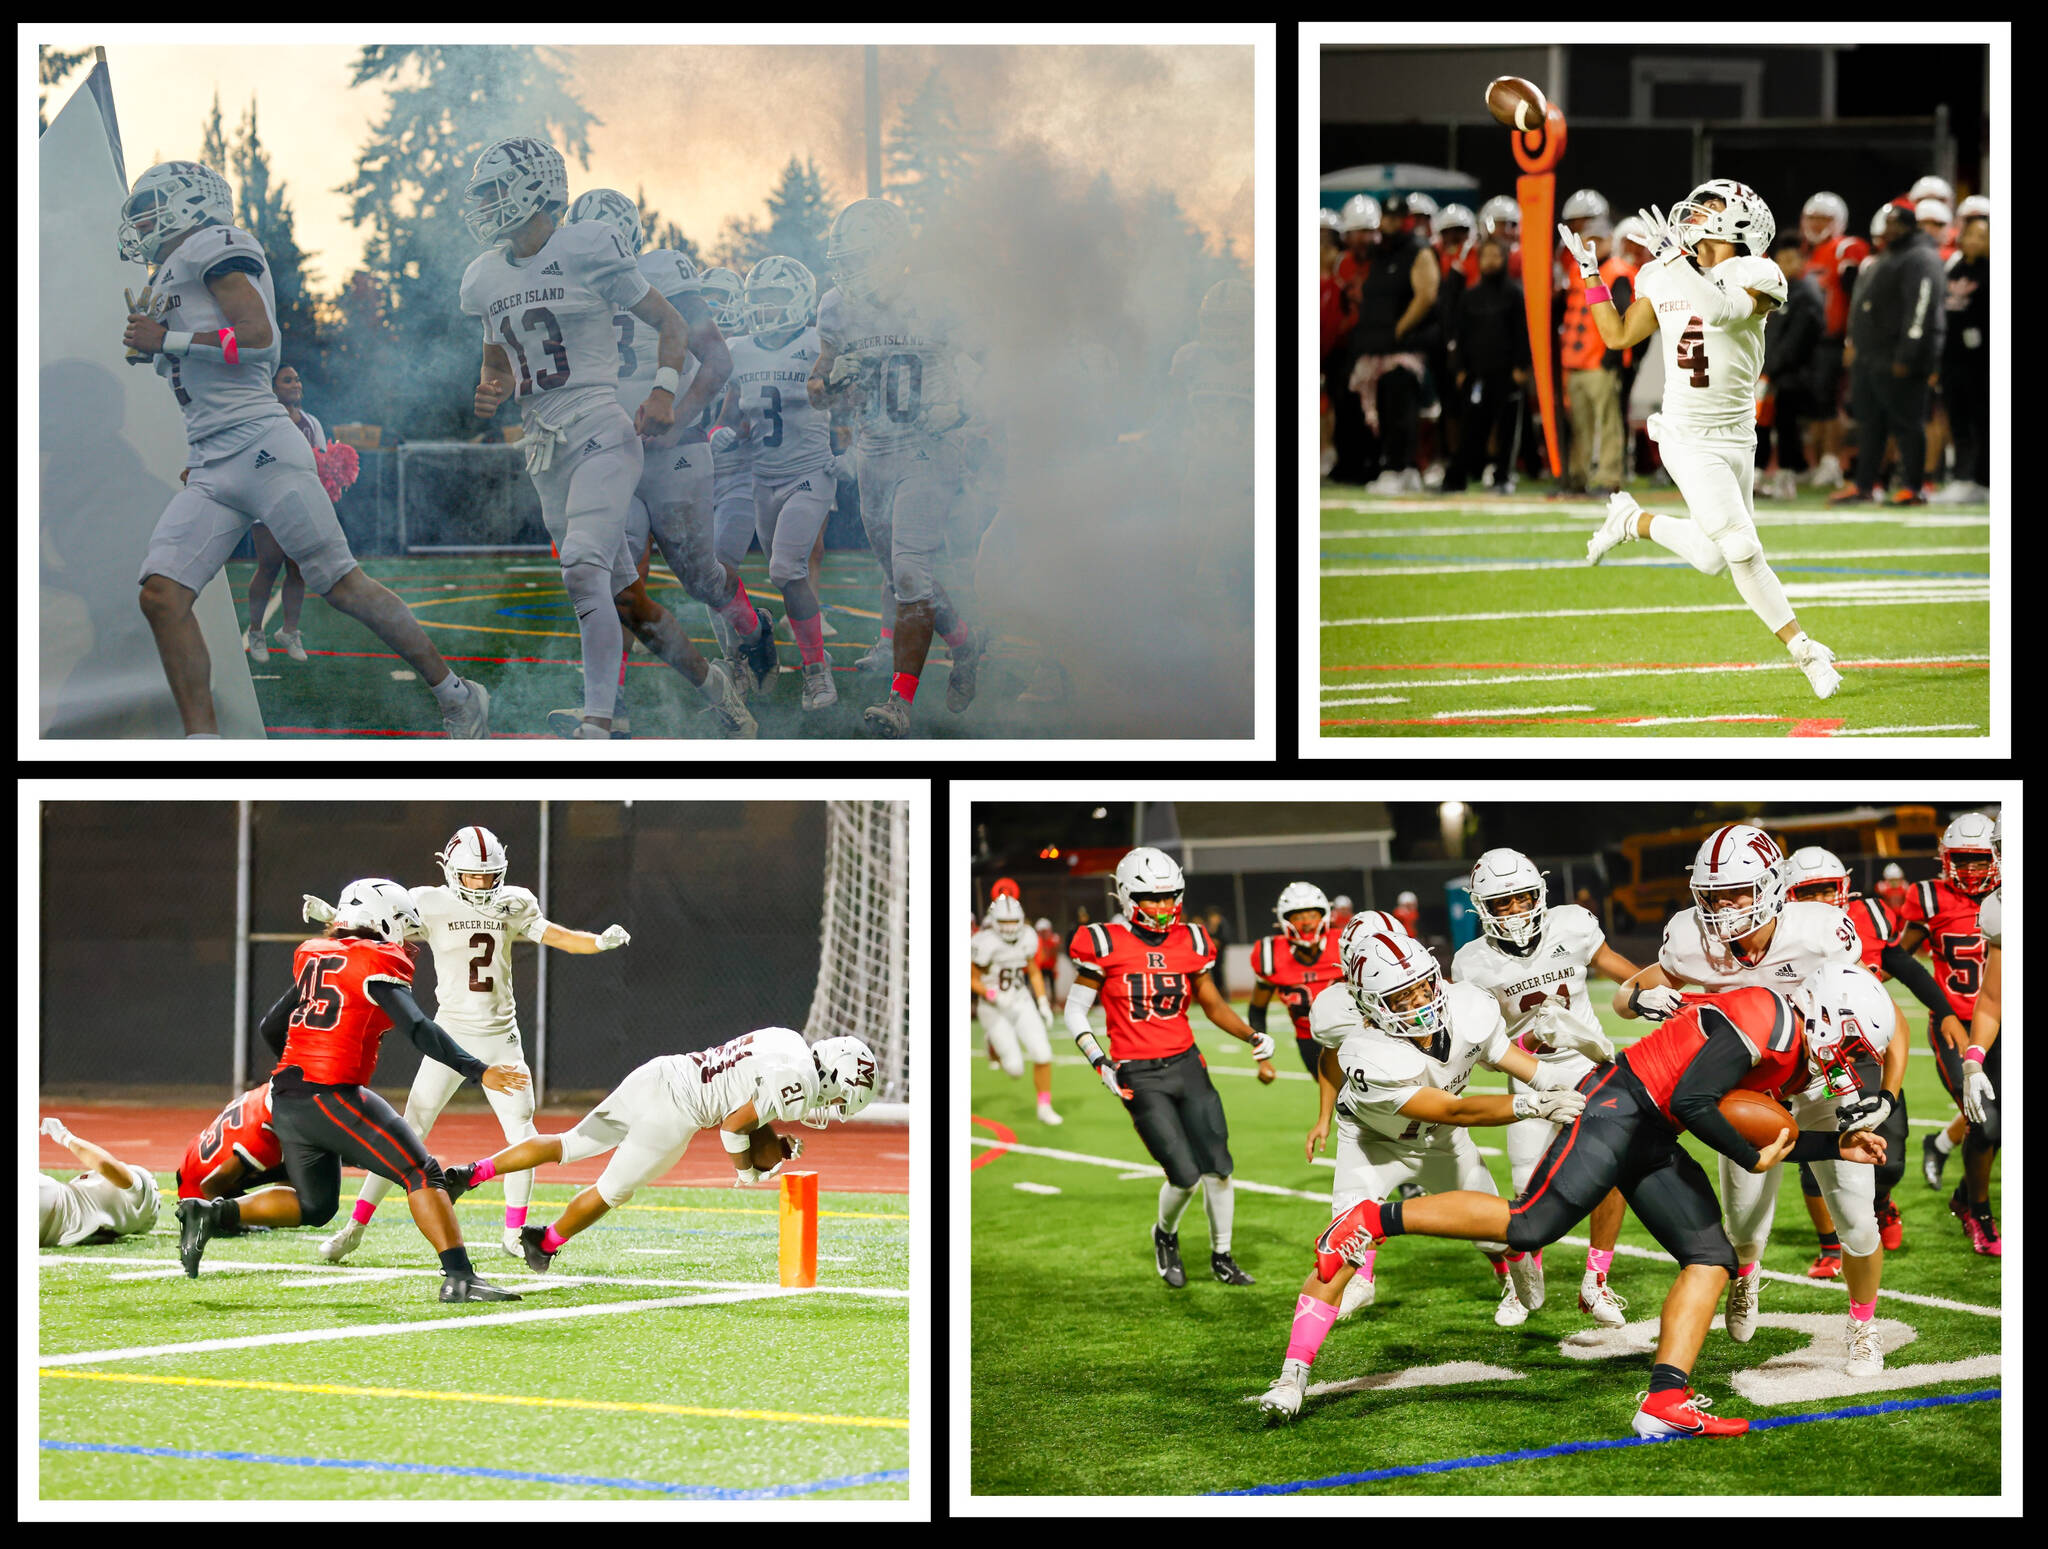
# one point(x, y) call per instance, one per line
point(1756, 1117)
point(767, 1148)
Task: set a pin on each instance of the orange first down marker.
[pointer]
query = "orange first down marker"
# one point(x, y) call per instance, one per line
point(799, 1229)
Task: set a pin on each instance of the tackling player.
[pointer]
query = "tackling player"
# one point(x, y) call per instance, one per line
point(1156, 965)
point(469, 925)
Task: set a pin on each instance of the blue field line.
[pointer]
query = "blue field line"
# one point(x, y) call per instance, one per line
point(1570, 1448)
point(693, 1492)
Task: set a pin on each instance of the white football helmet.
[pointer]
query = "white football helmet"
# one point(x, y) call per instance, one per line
point(1742, 218)
point(1384, 970)
point(1932, 187)
point(1589, 203)
point(1455, 216)
point(1972, 840)
point(381, 894)
point(1499, 213)
point(174, 197)
point(1737, 858)
point(1847, 1014)
point(1149, 873)
point(846, 1079)
point(377, 905)
point(1976, 207)
point(1007, 916)
point(780, 295)
point(1361, 212)
point(1294, 898)
point(1812, 865)
point(869, 247)
point(1363, 927)
point(514, 180)
point(1326, 220)
point(615, 210)
point(474, 850)
point(1832, 207)
point(1502, 874)
point(1225, 321)
point(721, 290)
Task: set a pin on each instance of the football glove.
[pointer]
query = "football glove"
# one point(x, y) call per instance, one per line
point(1558, 1107)
point(614, 937)
point(315, 911)
point(1865, 1112)
point(1657, 1004)
point(1262, 1046)
point(1581, 250)
point(1976, 1091)
point(1659, 238)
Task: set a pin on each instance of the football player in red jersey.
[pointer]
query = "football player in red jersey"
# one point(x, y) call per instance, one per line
point(1943, 913)
point(1626, 1137)
point(237, 1152)
point(1814, 875)
point(1297, 963)
point(349, 989)
point(1149, 967)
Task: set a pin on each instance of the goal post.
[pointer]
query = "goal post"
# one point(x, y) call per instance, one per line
point(864, 944)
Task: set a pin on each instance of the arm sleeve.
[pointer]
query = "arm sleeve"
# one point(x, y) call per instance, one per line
point(1696, 1102)
point(1079, 999)
point(396, 1002)
point(278, 1018)
point(1913, 974)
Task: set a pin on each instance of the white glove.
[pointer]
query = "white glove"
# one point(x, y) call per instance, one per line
point(1582, 253)
point(1661, 238)
point(614, 937)
point(1659, 1004)
point(1262, 1046)
point(315, 911)
point(1558, 1107)
point(54, 1128)
point(1569, 1036)
point(724, 439)
point(843, 369)
point(1045, 1011)
point(1976, 1091)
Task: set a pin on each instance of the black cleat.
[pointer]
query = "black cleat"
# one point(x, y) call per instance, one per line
point(1932, 1160)
point(474, 1288)
point(1166, 1250)
point(760, 651)
point(1224, 1267)
point(458, 1181)
point(537, 1258)
point(198, 1224)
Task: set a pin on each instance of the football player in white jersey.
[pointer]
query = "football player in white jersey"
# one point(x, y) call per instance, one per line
point(1742, 931)
point(790, 449)
point(1705, 293)
point(1016, 1010)
point(1404, 1045)
point(546, 295)
point(1534, 960)
point(209, 324)
point(109, 1200)
point(1372, 1027)
point(469, 924)
point(894, 356)
point(736, 1088)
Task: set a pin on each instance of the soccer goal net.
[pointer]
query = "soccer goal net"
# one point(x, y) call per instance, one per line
point(864, 957)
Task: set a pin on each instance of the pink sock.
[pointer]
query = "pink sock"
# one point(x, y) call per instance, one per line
point(906, 684)
point(1599, 1260)
point(1313, 1321)
point(810, 638)
point(515, 1217)
point(486, 1170)
point(363, 1211)
point(551, 1241)
point(888, 633)
point(740, 611)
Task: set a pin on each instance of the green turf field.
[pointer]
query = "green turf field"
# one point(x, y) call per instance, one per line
point(659, 1360)
point(505, 621)
point(1090, 1376)
point(1475, 615)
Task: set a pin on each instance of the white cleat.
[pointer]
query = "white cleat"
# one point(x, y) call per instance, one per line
point(344, 1242)
point(1865, 1359)
point(1598, 1302)
point(890, 718)
point(1510, 1313)
point(1047, 1116)
point(1818, 663)
point(254, 643)
point(722, 693)
point(509, 1241)
point(1359, 1294)
point(471, 718)
point(819, 689)
point(1527, 1274)
point(1619, 526)
point(1741, 1313)
point(1282, 1399)
point(294, 644)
